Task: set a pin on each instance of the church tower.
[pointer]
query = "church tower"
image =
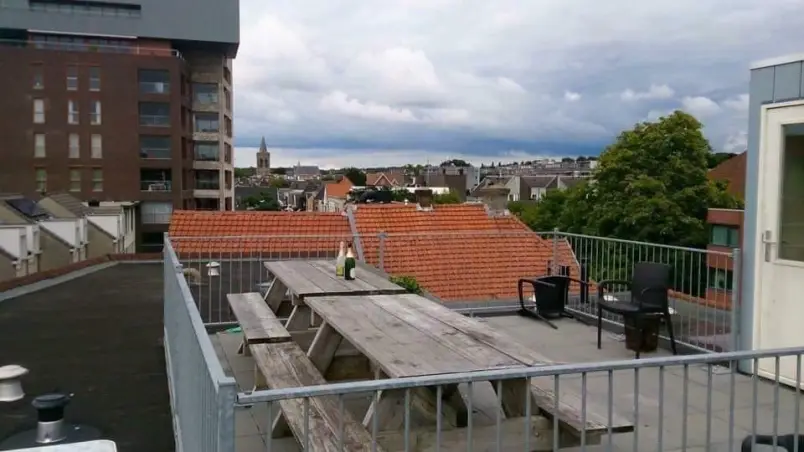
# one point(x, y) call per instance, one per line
point(263, 160)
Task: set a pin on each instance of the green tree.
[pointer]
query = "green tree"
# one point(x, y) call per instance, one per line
point(261, 201)
point(716, 158)
point(244, 172)
point(446, 198)
point(454, 162)
point(279, 182)
point(357, 176)
point(268, 204)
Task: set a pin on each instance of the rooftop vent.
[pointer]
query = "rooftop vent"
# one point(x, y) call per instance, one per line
point(213, 269)
point(11, 384)
point(51, 428)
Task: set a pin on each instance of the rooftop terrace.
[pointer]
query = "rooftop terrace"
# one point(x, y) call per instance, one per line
point(97, 336)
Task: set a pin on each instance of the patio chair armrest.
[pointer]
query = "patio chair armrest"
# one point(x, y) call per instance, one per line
point(650, 289)
point(605, 284)
point(533, 282)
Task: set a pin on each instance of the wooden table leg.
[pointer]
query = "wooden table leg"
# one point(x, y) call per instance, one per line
point(515, 396)
point(300, 319)
point(325, 344)
point(275, 294)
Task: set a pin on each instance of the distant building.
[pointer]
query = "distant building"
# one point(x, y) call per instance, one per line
point(263, 160)
point(303, 173)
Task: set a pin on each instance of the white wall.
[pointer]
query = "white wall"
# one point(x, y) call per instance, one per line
point(112, 224)
point(67, 230)
point(32, 236)
point(13, 240)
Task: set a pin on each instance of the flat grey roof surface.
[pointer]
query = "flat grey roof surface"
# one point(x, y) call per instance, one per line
point(97, 336)
point(575, 342)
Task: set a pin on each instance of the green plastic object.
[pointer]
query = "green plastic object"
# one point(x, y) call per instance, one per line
point(236, 329)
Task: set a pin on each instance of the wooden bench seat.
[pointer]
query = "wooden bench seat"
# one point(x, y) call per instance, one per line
point(285, 365)
point(259, 324)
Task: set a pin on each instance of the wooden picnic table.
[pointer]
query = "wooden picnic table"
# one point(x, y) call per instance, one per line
point(407, 335)
point(303, 279)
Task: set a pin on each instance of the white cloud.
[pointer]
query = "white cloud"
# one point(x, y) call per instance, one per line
point(653, 93)
point(700, 106)
point(479, 77)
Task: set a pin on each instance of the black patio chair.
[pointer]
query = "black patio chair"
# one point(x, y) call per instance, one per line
point(550, 297)
point(786, 442)
point(649, 288)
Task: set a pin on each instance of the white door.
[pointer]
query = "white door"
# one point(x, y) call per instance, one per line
point(779, 302)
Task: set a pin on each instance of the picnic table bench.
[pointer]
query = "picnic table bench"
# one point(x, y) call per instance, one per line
point(407, 335)
point(303, 279)
point(259, 324)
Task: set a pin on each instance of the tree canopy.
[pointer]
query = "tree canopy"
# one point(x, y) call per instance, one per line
point(355, 175)
point(650, 185)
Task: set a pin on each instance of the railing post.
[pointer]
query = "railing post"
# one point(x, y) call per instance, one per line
point(736, 263)
point(555, 252)
point(381, 251)
point(227, 396)
point(584, 276)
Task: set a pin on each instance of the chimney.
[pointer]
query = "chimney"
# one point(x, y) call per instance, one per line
point(495, 198)
point(424, 197)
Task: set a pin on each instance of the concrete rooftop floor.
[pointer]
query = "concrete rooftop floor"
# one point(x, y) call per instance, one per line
point(576, 342)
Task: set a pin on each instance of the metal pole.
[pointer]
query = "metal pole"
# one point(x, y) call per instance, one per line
point(381, 251)
point(736, 273)
point(555, 251)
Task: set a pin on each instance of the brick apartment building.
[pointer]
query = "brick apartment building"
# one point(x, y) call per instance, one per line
point(725, 227)
point(120, 101)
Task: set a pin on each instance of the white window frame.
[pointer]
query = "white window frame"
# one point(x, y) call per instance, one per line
point(72, 79)
point(39, 111)
point(96, 141)
point(40, 145)
point(74, 141)
point(41, 182)
point(94, 82)
point(95, 113)
point(75, 188)
point(97, 182)
point(72, 112)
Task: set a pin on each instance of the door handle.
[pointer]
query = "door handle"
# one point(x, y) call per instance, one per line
point(767, 240)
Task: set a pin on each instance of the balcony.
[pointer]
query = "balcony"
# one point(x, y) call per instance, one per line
point(660, 395)
point(90, 45)
point(156, 180)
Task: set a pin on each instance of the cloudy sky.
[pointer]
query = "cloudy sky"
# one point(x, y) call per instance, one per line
point(372, 83)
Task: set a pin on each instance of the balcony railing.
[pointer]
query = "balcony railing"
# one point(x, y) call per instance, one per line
point(132, 49)
point(156, 185)
point(674, 402)
point(155, 120)
point(154, 87)
point(206, 156)
point(207, 185)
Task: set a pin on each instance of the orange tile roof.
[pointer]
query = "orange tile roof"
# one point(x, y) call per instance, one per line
point(456, 252)
point(339, 189)
point(283, 234)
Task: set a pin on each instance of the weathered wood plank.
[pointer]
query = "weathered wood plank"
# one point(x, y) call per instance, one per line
point(287, 273)
point(397, 347)
point(484, 438)
point(366, 280)
point(259, 324)
point(323, 348)
point(300, 319)
point(317, 278)
point(287, 366)
point(275, 294)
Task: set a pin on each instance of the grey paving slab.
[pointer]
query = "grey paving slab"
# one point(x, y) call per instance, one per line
point(703, 421)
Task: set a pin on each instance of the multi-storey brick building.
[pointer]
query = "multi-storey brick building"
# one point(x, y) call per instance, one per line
point(129, 100)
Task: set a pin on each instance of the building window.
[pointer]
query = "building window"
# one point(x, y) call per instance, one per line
point(155, 147)
point(38, 76)
point(72, 112)
point(207, 180)
point(95, 113)
point(205, 93)
point(85, 8)
point(75, 146)
point(156, 179)
point(72, 78)
point(97, 179)
point(154, 81)
point(94, 79)
point(75, 179)
point(207, 151)
point(228, 153)
point(97, 146)
point(39, 145)
point(720, 279)
point(721, 235)
point(38, 111)
point(41, 180)
point(228, 98)
point(207, 122)
point(155, 114)
point(156, 213)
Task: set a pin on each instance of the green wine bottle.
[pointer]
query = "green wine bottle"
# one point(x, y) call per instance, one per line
point(349, 267)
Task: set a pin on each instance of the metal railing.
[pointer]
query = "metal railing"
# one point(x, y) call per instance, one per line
point(155, 120)
point(202, 397)
point(131, 49)
point(656, 404)
point(156, 185)
point(704, 296)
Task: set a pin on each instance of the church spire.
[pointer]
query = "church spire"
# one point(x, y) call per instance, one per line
point(263, 147)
